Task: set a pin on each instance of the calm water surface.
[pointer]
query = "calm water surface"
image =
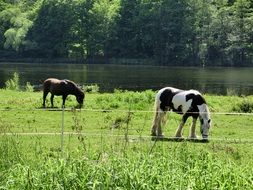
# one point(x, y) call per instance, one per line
point(109, 77)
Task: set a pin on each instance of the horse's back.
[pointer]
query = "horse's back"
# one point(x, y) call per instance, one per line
point(55, 86)
point(48, 82)
point(193, 95)
point(177, 99)
point(186, 95)
point(52, 81)
point(184, 99)
point(164, 97)
point(166, 93)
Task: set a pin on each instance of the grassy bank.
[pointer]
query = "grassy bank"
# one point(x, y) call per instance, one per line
point(111, 147)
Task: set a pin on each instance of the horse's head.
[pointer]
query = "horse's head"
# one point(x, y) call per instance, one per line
point(204, 127)
point(80, 98)
point(205, 122)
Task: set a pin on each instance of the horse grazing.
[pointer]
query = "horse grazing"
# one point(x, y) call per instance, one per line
point(61, 88)
point(189, 103)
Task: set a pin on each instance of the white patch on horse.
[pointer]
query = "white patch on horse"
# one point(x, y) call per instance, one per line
point(180, 100)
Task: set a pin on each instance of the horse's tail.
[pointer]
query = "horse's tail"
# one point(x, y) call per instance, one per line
point(156, 110)
point(155, 117)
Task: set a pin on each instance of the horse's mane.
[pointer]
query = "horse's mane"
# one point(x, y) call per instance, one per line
point(75, 87)
point(200, 100)
point(205, 112)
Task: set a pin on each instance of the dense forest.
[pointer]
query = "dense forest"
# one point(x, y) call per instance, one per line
point(162, 32)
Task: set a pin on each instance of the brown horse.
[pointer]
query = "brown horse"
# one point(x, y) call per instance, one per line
point(61, 88)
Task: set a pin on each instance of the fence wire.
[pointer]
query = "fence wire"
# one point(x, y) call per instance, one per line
point(110, 133)
point(117, 110)
point(134, 138)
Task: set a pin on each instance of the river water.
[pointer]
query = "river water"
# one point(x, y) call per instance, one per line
point(109, 77)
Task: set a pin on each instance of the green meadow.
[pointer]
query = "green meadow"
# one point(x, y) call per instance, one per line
point(106, 144)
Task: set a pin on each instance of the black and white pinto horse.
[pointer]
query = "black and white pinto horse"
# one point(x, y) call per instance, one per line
point(189, 103)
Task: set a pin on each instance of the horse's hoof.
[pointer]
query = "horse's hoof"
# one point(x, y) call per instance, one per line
point(158, 138)
point(192, 137)
point(153, 134)
point(204, 140)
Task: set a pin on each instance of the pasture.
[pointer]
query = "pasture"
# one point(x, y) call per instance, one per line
point(107, 144)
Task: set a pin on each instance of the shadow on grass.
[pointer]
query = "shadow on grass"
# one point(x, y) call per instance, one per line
point(174, 139)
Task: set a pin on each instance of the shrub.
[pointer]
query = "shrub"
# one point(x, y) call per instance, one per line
point(29, 87)
point(93, 88)
point(246, 106)
point(13, 84)
point(232, 92)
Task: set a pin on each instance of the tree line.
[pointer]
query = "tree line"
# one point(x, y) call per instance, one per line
point(162, 32)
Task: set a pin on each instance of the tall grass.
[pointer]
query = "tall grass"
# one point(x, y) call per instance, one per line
point(168, 166)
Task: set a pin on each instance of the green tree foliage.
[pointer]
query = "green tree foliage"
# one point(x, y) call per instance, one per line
point(19, 26)
point(94, 21)
point(16, 20)
point(241, 46)
point(125, 38)
point(49, 35)
point(169, 32)
point(176, 31)
point(202, 31)
point(80, 29)
point(102, 16)
point(219, 30)
point(3, 6)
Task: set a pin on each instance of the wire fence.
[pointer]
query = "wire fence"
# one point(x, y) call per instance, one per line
point(118, 110)
point(136, 138)
point(111, 134)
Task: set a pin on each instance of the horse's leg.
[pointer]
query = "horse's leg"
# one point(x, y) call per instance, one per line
point(52, 100)
point(156, 129)
point(161, 115)
point(63, 100)
point(44, 98)
point(154, 125)
point(180, 127)
point(179, 130)
point(193, 129)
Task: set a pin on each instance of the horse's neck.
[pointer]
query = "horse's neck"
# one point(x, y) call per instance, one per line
point(76, 91)
point(204, 111)
point(72, 87)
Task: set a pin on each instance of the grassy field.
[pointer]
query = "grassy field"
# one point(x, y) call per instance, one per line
point(107, 144)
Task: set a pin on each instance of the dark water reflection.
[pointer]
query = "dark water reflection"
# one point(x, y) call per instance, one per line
point(108, 77)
